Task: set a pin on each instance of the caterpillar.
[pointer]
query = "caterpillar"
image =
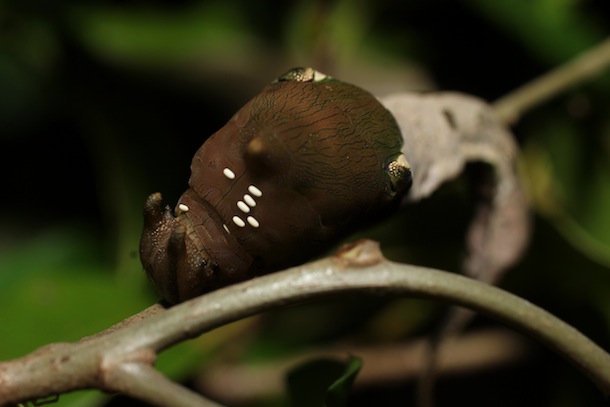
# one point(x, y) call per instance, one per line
point(305, 162)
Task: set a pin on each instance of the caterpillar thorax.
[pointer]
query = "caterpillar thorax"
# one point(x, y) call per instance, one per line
point(300, 165)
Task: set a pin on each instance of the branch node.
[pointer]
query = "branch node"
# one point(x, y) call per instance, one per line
point(362, 253)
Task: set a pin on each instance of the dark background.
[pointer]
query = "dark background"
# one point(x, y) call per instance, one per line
point(104, 102)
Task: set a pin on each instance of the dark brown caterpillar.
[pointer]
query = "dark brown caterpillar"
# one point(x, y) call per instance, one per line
point(302, 164)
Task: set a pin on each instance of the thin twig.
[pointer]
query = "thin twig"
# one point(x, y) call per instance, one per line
point(147, 384)
point(582, 68)
point(93, 362)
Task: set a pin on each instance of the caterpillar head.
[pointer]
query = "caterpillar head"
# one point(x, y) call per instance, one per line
point(170, 251)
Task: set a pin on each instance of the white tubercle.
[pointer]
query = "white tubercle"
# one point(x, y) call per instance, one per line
point(255, 191)
point(250, 201)
point(183, 208)
point(226, 228)
point(243, 207)
point(228, 173)
point(318, 76)
point(253, 222)
point(239, 221)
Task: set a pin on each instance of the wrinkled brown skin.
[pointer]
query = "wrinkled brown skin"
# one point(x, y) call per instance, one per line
point(318, 151)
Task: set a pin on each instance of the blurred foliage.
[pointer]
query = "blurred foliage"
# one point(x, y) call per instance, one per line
point(322, 382)
point(104, 102)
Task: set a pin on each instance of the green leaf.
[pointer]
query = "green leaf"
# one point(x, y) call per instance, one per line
point(322, 382)
point(338, 392)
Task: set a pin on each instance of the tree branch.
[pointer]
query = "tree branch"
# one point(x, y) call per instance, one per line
point(145, 383)
point(103, 361)
point(584, 67)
